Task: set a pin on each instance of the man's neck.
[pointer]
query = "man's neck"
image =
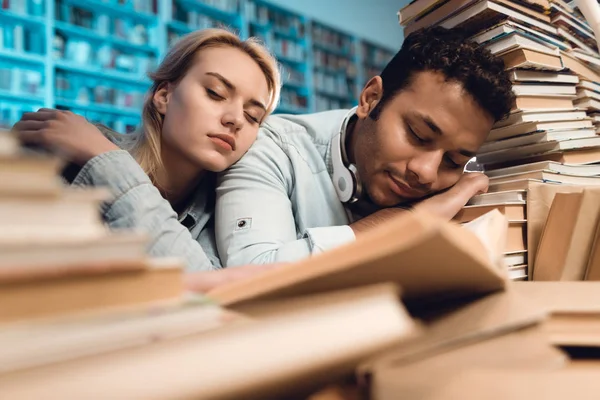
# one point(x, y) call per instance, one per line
point(364, 206)
point(178, 178)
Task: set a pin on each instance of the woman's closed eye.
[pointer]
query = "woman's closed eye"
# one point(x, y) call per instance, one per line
point(214, 95)
point(251, 118)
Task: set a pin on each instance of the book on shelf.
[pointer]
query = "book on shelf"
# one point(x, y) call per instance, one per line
point(532, 116)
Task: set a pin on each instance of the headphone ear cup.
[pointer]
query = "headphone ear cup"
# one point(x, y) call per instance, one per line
point(344, 185)
point(356, 183)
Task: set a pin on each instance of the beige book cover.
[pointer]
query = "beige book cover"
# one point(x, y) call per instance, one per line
point(74, 213)
point(427, 256)
point(277, 357)
point(521, 384)
point(36, 343)
point(574, 309)
point(21, 256)
point(512, 211)
point(460, 324)
point(593, 266)
point(25, 173)
point(527, 349)
point(566, 240)
point(69, 294)
point(516, 238)
point(539, 199)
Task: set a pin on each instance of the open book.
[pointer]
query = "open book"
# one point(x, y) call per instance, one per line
point(429, 257)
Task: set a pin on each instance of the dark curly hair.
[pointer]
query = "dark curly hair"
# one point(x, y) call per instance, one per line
point(449, 51)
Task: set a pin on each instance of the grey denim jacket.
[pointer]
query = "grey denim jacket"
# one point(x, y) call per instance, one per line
point(138, 204)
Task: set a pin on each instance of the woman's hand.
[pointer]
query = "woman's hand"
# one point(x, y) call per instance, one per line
point(68, 135)
point(205, 281)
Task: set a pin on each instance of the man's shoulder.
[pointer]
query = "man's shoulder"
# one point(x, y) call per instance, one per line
point(317, 128)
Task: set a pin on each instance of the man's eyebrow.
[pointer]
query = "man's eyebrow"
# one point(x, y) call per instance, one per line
point(432, 125)
point(232, 88)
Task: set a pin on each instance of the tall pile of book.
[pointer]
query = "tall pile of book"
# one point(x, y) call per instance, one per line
point(119, 324)
point(550, 135)
point(80, 300)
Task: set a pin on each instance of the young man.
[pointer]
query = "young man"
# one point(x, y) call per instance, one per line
point(313, 182)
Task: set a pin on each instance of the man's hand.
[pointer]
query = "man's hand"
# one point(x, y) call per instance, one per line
point(69, 135)
point(205, 281)
point(449, 203)
point(445, 205)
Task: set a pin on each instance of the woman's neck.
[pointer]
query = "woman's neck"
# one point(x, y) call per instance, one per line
point(177, 179)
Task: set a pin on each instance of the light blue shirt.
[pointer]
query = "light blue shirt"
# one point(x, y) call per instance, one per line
point(278, 203)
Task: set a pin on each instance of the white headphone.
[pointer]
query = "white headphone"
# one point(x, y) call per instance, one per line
point(345, 175)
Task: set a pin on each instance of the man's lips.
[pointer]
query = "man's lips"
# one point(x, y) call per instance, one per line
point(225, 141)
point(402, 189)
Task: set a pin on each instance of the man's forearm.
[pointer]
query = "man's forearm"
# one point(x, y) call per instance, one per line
point(365, 224)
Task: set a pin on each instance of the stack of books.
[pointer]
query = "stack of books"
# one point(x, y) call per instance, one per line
point(512, 205)
point(78, 298)
point(119, 323)
point(551, 134)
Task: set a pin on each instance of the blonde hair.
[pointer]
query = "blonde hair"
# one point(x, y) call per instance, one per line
point(177, 62)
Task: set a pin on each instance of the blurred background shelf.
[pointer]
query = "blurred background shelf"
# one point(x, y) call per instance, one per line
point(93, 56)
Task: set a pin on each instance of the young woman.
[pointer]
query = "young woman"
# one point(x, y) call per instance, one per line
point(208, 99)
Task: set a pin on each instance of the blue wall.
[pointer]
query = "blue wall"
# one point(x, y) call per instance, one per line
point(373, 20)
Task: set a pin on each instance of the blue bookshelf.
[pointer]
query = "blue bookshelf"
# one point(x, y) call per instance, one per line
point(93, 56)
point(285, 33)
point(335, 68)
point(374, 58)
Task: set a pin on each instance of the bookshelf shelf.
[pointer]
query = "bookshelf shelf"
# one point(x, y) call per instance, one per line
point(342, 97)
point(103, 43)
point(22, 57)
point(295, 62)
point(92, 36)
point(114, 9)
point(295, 85)
point(23, 19)
point(99, 108)
point(290, 35)
point(332, 50)
point(229, 16)
point(116, 76)
point(179, 27)
point(21, 97)
point(290, 109)
point(260, 26)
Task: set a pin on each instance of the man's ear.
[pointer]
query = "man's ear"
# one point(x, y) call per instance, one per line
point(370, 97)
point(161, 98)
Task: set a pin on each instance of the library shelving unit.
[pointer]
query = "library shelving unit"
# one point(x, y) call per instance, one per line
point(93, 56)
point(374, 59)
point(285, 35)
point(335, 68)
